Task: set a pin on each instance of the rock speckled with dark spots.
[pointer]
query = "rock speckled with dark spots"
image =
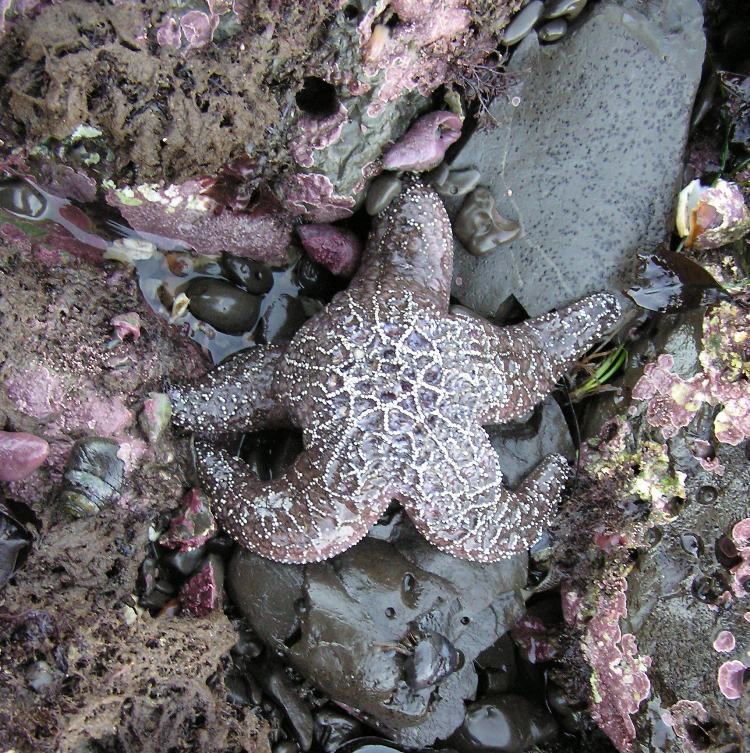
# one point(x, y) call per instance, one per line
point(391, 392)
point(589, 157)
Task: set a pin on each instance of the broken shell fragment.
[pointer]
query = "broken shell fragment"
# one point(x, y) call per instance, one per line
point(480, 227)
point(711, 216)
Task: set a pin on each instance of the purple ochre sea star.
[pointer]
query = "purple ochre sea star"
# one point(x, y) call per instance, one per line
point(391, 392)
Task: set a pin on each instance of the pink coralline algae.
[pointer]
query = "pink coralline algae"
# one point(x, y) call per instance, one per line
point(725, 380)
point(316, 133)
point(198, 28)
point(168, 34)
point(683, 715)
point(619, 681)
point(37, 392)
point(184, 214)
point(741, 571)
point(193, 524)
point(415, 53)
point(724, 642)
point(203, 592)
point(20, 454)
point(423, 146)
point(312, 195)
point(731, 679)
point(337, 249)
point(534, 639)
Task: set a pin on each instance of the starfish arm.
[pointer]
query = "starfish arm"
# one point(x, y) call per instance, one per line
point(319, 508)
point(514, 368)
point(462, 508)
point(411, 245)
point(237, 396)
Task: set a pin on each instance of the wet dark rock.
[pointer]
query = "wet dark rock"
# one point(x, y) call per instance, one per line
point(520, 446)
point(313, 279)
point(503, 724)
point(498, 666)
point(567, 711)
point(432, 659)
point(349, 624)
point(183, 563)
point(333, 728)
point(595, 122)
point(297, 711)
point(286, 746)
point(670, 282)
point(255, 276)
point(382, 191)
point(222, 305)
point(93, 476)
point(285, 316)
point(9, 551)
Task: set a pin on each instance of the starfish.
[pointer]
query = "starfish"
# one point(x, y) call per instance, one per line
point(391, 391)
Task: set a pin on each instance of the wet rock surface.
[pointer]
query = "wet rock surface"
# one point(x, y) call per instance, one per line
point(356, 625)
point(586, 154)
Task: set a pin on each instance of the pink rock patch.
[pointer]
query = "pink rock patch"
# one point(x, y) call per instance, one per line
point(20, 454)
point(338, 250)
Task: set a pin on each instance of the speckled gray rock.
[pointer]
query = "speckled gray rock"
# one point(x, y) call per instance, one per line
point(592, 154)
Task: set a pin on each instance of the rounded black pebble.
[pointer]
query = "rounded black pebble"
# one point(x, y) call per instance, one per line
point(222, 305)
point(255, 276)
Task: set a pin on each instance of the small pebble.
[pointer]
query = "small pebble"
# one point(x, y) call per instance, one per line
point(335, 248)
point(333, 728)
point(434, 658)
point(569, 8)
point(480, 227)
point(255, 276)
point(20, 199)
point(203, 592)
point(155, 416)
point(382, 191)
point(523, 23)
point(503, 724)
point(93, 476)
point(456, 182)
point(222, 305)
point(553, 30)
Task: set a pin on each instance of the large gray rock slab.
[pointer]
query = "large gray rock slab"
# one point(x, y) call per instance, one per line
point(590, 160)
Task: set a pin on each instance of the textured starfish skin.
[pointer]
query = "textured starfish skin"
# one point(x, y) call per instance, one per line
point(391, 392)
